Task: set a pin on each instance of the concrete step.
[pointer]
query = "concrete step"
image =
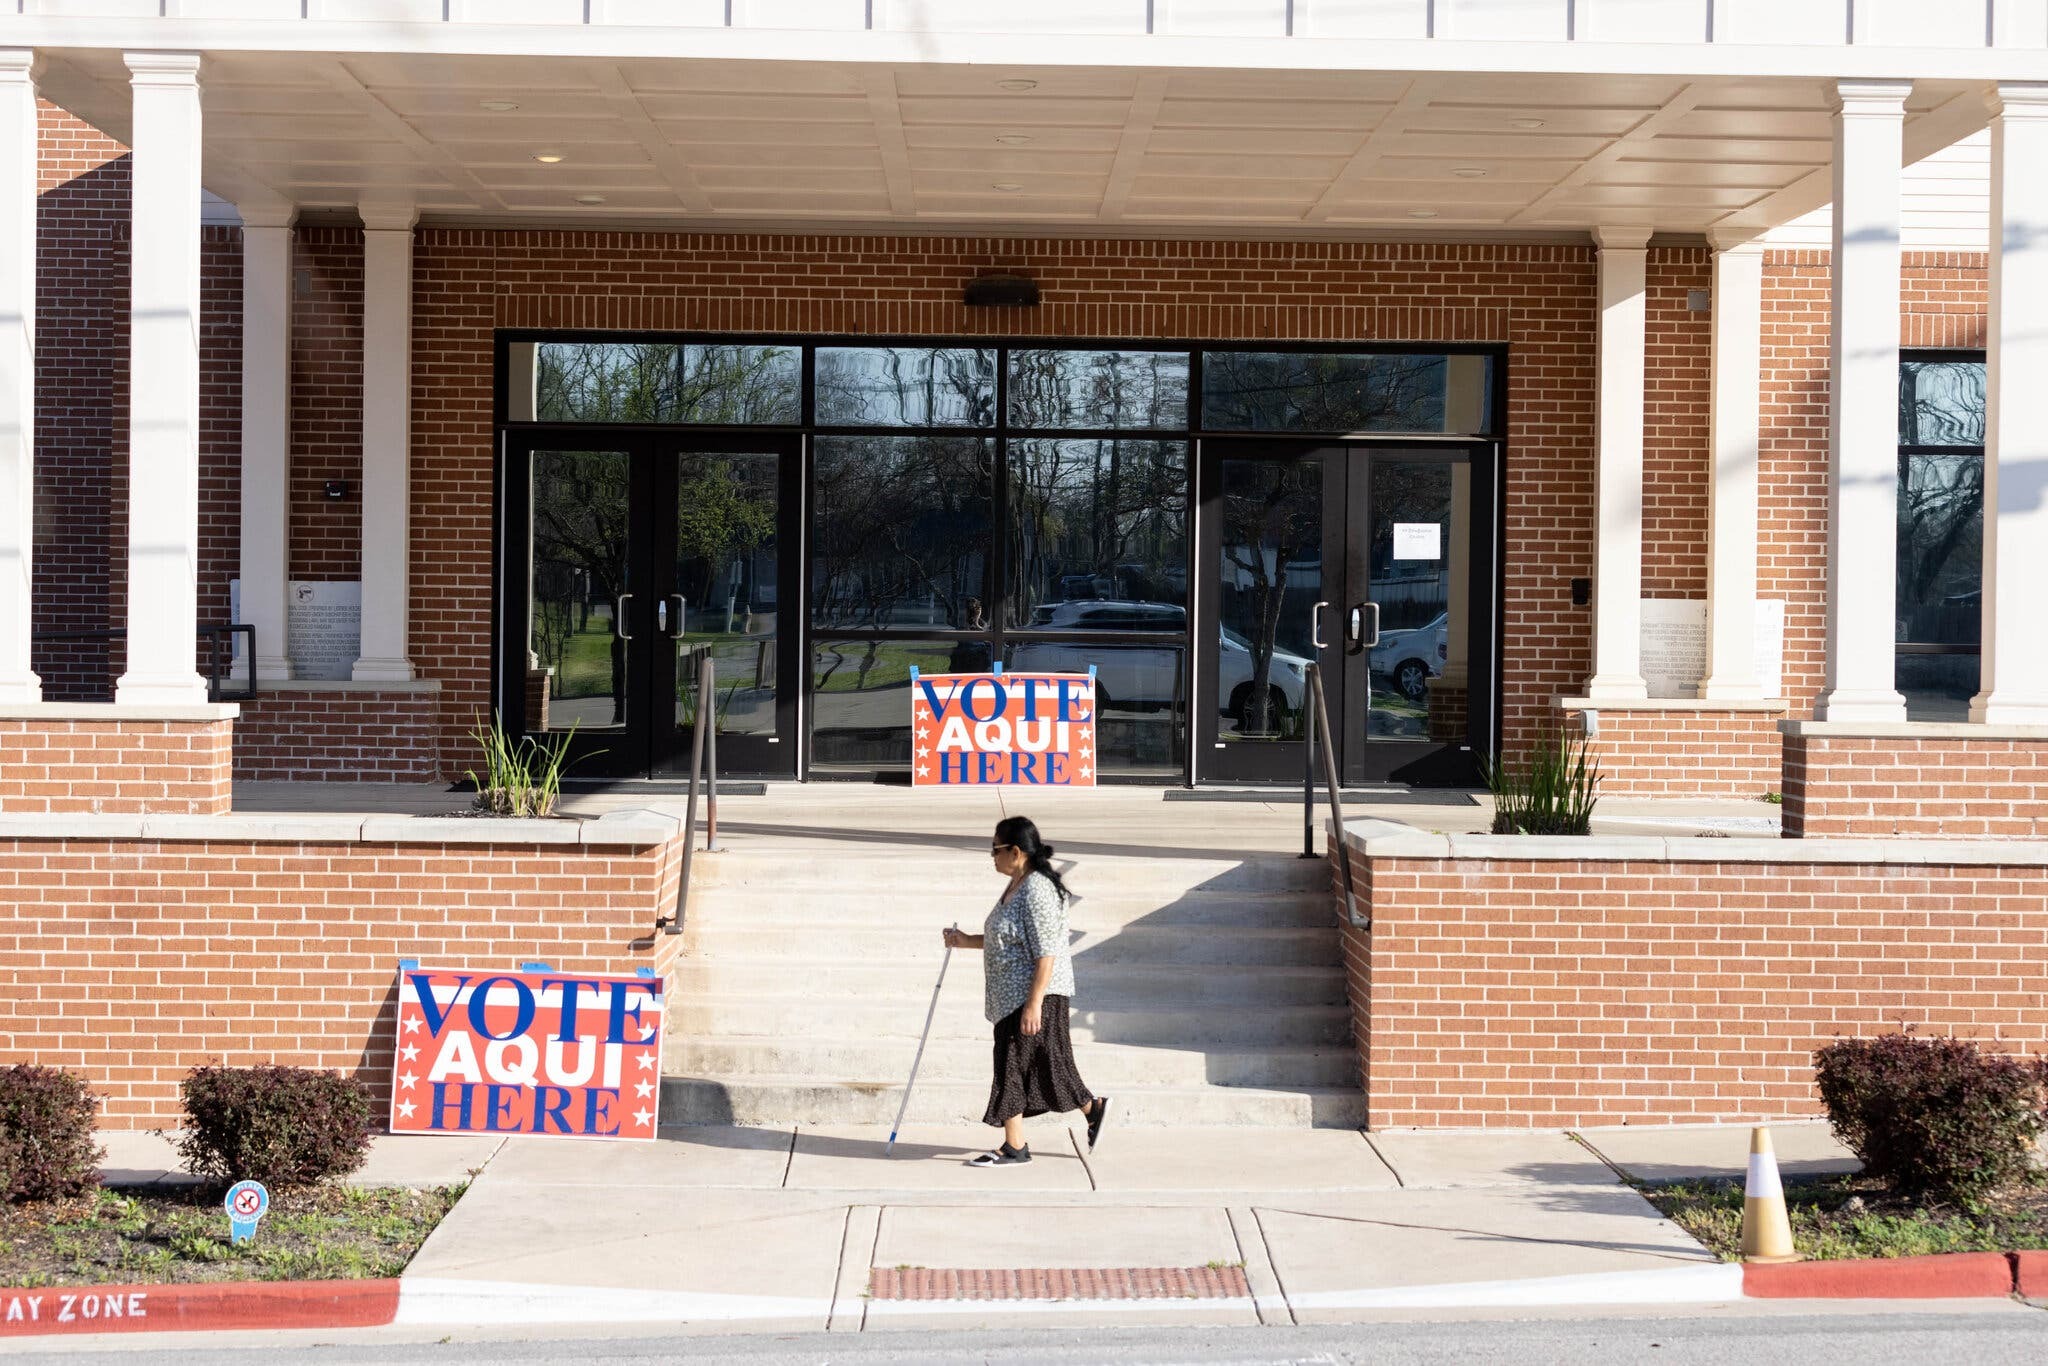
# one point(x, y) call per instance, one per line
point(1106, 1066)
point(864, 872)
point(805, 1100)
point(1161, 1022)
point(1116, 985)
point(776, 941)
point(933, 906)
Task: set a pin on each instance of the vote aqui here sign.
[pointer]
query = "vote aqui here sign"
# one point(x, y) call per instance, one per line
point(1021, 729)
point(528, 1052)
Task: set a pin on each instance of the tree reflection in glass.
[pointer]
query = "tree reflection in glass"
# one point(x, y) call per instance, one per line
point(1292, 391)
point(900, 531)
point(1097, 389)
point(1097, 519)
point(665, 382)
point(1272, 531)
point(725, 586)
point(581, 554)
point(905, 386)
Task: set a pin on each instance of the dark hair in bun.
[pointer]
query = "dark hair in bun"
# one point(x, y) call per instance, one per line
point(1020, 833)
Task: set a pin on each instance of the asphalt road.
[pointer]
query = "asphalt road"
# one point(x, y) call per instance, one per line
point(1982, 1339)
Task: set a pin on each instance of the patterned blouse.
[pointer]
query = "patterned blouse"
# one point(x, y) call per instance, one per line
point(1029, 925)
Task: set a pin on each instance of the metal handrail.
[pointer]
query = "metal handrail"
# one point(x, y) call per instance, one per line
point(703, 764)
point(1317, 718)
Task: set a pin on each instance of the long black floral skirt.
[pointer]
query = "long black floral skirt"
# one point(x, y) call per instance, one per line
point(1035, 1073)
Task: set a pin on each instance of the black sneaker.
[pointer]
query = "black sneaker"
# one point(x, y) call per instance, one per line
point(1097, 1113)
point(1004, 1156)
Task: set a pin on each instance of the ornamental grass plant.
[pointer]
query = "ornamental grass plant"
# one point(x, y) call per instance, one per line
point(521, 777)
point(1551, 792)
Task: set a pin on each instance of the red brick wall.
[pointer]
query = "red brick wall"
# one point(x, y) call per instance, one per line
point(327, 403)
point(115, 767)
point(1691, 752)
point(371, 736)
point(1503, 993)
point(133, 961)
point(1861, 785)
point(1678, 383)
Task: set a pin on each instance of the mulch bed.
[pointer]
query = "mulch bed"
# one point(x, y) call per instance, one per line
point(180, 1235)
point(1851, 1216)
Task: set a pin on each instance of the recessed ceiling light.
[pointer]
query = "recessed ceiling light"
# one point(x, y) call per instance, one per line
point(590, 199)
point(1422, 213)
point(1019, 84)
point(1525, 123)
point(497, 106)
point(1013, 139)
point(547, 158)
point(1468, 172)
point(1006, 186)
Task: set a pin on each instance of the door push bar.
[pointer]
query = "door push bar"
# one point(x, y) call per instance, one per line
point(1357, 638)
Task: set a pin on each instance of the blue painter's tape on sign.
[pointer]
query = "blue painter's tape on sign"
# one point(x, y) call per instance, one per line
point(535, 967)
point(408, 964)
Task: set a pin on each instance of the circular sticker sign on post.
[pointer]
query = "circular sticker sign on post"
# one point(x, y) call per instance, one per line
point(247, 1202)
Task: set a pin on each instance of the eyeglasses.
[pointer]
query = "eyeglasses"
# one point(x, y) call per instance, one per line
point(998, 848)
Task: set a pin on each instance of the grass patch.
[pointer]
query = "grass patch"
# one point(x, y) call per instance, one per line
point(180, 1235)
point(1835, 1217)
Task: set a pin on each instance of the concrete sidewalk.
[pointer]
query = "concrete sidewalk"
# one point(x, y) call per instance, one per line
point(815, 1228)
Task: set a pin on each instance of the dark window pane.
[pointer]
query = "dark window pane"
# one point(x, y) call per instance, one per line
point(1941, 548)
point(860, 696)
point(1141, 697)
point(1937, 686)
point(581, 558)
point(900, 532)
point(1099, 535)
point(1098, 389)
point(1311, 392)
point(1270, 576)
point(654, 382)
point(905, 386)
point(724, 587)
point(1941, 403)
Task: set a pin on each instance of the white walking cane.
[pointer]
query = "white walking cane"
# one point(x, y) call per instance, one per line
point(904, 1108)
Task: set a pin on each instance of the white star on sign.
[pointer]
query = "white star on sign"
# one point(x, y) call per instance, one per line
point(645, 1088)
point(646, 1062)
point(409, 1052)
point(412, 1024)
point(405, 1109)
point(643, 1117)
point(1085, 770)
point(407, 1080)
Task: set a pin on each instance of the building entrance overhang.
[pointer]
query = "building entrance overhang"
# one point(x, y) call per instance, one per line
point(1058, 145)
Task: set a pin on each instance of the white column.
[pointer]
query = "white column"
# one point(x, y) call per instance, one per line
point(387, 437)
point(18, 682)
point(2015, 658)
point(1731, 494)
point(266, 429)
point(1863, 403)
point(163, 386)
point(1618, 530)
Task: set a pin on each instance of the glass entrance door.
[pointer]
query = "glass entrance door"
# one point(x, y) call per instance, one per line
point(629, 560)
point(1376, 564)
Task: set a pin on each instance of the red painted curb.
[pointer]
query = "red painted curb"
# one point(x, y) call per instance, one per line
point(2030, 1274)
point(193, 1308)
point(1946, 1276)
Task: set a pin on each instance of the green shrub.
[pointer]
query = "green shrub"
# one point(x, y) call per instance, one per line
point(521, 777)
point(1934, 1117)
point(46, 1132)
point(1552, 793)
point(283, 1126)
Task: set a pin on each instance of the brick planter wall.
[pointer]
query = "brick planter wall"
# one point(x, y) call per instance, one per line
point(1908, 780)
point(1493, 991)
point(370, 736)
point(1702, 751)
point(69, 763)
point(132, 960)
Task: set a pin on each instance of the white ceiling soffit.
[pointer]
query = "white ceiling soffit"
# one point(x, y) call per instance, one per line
point(1013, 148)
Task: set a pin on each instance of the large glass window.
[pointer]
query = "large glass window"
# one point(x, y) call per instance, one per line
point(905, 386)
point(1098, 389)
point(657, 382)
point(1941, 534)
point(900, 532)
point(1306, 391)
point(1098, 534)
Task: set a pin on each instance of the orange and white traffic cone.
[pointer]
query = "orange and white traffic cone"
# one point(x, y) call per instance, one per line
point(1766, 1228)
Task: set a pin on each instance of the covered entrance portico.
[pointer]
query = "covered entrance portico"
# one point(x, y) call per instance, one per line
point(1433, 192)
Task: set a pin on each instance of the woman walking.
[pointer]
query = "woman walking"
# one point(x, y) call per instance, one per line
point(1028, 976)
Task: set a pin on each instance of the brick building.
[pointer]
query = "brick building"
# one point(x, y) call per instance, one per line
point(514, 368)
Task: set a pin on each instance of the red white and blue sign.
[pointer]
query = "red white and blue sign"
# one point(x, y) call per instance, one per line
point(1002, 729)
point(527, 1052)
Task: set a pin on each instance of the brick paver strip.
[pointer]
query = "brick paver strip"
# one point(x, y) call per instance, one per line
point(1059, 1283)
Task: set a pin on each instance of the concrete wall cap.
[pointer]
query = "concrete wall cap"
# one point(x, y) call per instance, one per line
point(108, 711)
point(69, 825)
point(1670, 704)
point(468, 830)
point(1984, 853)
point(343, 685)
point(310, 828)
point(638, 826)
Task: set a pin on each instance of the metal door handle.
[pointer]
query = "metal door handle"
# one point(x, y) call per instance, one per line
point(1361, 638)
point(677, 598)
point(1315, 626)
point(619, 616)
